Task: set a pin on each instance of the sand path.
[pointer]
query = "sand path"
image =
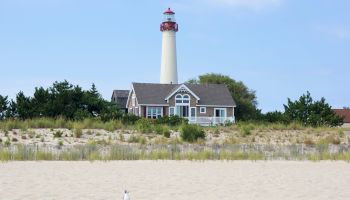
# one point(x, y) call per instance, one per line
point(165, 180)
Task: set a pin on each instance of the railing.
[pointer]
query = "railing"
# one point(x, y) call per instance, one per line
point(208, 121)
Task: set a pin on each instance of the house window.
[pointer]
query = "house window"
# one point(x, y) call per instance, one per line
point(171, 111)
point(186, 99)
point(154, 112)
point(178, 98)
point(133, 101)
point(203, 110)
point(193, 112)
point(220, 112)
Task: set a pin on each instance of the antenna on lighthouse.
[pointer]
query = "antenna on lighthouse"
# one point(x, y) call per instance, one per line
point(168, 69)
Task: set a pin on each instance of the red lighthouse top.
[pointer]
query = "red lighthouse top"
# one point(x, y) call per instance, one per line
point(169, 22)
point(168, 11)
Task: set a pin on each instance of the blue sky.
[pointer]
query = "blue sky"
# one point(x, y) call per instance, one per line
point(279, 48)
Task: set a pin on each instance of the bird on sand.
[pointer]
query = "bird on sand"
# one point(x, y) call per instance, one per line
point(126, 195)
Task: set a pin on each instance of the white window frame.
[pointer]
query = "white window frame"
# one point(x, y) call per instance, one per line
point(174, 111)
point(205, 110)
point(224, 109)
point(192, 118)
point(133, 100)
point(154, 114)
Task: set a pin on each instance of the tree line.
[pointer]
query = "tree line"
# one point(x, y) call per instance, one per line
point(69, 101)
point(304, 110)
point(62, 99)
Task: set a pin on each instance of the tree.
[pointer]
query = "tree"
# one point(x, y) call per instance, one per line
point(24, 109)
point(245, 98)
point(61, 100)
point(3, 106)
point(312, 113)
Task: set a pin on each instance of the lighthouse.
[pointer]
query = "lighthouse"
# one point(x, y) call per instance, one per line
point(168, 69)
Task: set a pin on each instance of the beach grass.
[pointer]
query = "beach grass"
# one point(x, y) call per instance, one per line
point(93, 152)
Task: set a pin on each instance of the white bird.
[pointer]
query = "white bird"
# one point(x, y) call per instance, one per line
point(126, 195)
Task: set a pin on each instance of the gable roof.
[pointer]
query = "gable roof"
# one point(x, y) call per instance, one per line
point(121, 97)
point(345, 113)
point(209, 94)
point(176, 89)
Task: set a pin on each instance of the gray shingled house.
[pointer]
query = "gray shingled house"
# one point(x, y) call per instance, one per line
point(201, 104)
point(120, 97)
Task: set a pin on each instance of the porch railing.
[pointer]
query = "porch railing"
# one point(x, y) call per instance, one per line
point(208, 121)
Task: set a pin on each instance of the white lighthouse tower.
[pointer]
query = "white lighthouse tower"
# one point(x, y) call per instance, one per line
point(168, 69)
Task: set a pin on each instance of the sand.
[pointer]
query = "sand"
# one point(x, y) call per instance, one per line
point(165, 180)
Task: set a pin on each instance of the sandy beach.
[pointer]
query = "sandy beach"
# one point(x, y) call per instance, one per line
point(165, 180)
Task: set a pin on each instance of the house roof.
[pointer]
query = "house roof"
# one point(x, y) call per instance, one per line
point(209, 94)
point(345, 113)
point(121, 97)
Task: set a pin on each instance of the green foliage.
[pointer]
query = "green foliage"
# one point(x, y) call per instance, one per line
point(130, 119)
point(57, 134)
point(246, 129)
point(312, 113)
point(144, 125)
point(173, 120)
point(61, 100)
point(4, 103)
point(191, 132)
point(245, 98)
point(162, 130)
point(60, 143)
point(78, 132)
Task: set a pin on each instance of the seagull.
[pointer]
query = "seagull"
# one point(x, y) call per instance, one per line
point(126, 195)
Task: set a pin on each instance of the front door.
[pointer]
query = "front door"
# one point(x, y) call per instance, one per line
point(192, 114)
point(182, 111)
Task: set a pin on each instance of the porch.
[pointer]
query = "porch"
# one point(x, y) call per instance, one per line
point(210, 121)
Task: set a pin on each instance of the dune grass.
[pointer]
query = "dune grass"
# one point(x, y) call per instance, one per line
point(93, 152)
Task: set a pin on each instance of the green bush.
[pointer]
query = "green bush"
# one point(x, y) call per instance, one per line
point(191, 132)
point(162, 130)
point(58, 134)
point(130, 119)
point(78, 132)
point(246, 129)
point(144, 125)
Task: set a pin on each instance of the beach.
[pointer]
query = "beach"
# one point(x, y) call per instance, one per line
point(165, 180)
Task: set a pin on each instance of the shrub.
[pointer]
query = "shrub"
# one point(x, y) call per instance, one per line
point(60, 143)
point(162, 130)
point(57, 134)
point(191, 132)
point(245, 130)
point(8, 142)
point(130, 119)
point(137, 139)
point(175, 120)
point(144, 125)
point(78, 132)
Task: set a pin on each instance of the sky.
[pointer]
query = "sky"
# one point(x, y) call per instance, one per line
point(278, 48)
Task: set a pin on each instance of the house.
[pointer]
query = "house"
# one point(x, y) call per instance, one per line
point(205, 104)
point(344, 113)
point(120, 97)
